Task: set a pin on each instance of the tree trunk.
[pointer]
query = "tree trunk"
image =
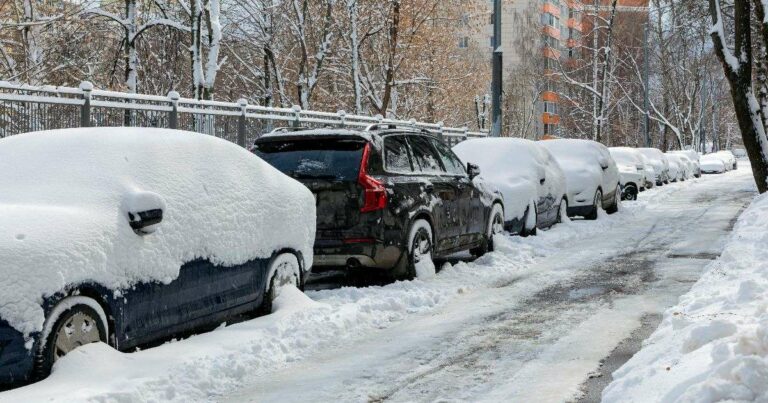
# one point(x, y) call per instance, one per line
point(738, 71)
point(389, 83)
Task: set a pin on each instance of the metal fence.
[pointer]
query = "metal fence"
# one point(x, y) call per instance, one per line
point(25, 108)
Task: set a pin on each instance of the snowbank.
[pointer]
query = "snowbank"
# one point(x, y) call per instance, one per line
point(515, 167)
point(67, 194)
point(712, 346)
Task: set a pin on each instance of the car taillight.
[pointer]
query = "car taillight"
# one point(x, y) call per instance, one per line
point(374, 193)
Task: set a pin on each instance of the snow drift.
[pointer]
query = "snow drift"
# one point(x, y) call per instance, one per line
point(66, 195)
point(712, 346)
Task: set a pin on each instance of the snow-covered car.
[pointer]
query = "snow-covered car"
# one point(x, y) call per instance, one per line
point(731, 162)
point(660, 164)
point(648, 170)
point(678, 168)
point(739, 152)
point(591, 176)
point(132, 236)
point(693, 157)
point(712, 164)
point(632, 174)
point(528, 177)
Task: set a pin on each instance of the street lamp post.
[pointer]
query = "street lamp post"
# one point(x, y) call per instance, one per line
point(496, 84)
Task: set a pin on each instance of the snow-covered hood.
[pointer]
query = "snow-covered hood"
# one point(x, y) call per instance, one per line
point(67, 194)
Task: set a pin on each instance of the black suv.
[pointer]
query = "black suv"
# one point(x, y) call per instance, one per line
point(386, 197)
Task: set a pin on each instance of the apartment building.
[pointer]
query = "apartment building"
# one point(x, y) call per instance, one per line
point(546, 36)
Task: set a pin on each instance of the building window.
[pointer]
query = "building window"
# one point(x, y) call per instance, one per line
point(464, 20)
point(463, 42)
point(490, 42)
point(550, 107)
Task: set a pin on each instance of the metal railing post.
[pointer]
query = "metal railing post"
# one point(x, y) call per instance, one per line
point(85, 110)
point(440, 133)
point(343, 117)
point(173, 116)
point(296, 115)
point(241, 127)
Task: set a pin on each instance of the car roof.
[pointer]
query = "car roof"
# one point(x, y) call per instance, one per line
point(368, 135)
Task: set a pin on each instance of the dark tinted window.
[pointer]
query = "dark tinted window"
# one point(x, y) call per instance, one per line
point(396, 155)
point(426, 156)
point(451, 162)
point(316, 158)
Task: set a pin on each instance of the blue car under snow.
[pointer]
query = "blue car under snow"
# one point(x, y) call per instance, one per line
point(132, 236)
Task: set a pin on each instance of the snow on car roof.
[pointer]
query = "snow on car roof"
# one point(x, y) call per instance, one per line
point(67, 193)
point(317, 132)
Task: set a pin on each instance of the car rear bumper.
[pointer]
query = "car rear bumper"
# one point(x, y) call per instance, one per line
point(16, 360)
point(353, 254)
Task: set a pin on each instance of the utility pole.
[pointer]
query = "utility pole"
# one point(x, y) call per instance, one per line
point(497, 83)
point(647, 117)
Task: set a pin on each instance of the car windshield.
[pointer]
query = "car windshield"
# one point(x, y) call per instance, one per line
point(332, 159)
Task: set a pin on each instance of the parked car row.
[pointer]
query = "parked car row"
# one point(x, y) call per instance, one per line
point(133, 236)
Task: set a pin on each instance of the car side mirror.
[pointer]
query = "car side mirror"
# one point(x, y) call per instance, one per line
point(472, 170)
point(144, 211)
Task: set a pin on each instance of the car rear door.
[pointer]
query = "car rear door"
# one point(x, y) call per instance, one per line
point(446, 203)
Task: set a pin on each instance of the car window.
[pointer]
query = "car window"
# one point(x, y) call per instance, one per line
point(314, 158)
point(451, 162)
point(426, 157)
point(396, 157)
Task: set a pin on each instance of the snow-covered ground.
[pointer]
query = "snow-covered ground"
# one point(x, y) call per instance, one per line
point(529, 322)
point(713, 345)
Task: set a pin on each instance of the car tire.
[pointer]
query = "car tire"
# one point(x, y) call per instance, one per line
point(597, 204)
point(614, 208)
point(495, 226)
point(284, 269)
point(75, 322)
point(420, 241)
point(630, 193)
point(562, 211)
point(526, 231)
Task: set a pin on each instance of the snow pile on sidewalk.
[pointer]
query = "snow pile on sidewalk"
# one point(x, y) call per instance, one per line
point(712, 346)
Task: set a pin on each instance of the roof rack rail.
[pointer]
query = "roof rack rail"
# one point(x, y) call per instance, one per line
point(400, 126)
point(289, 129)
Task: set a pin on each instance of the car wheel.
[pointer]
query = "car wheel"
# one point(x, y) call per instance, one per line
point(495, 226)
point(630, 194)
point(74, 322)
point(284, 270)
point(562, 213)
point(419, 249)
point(597, 204)
point(530, 226)
point(614, 208)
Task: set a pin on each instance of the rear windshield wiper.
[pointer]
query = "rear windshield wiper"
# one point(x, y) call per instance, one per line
point(300, 175)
